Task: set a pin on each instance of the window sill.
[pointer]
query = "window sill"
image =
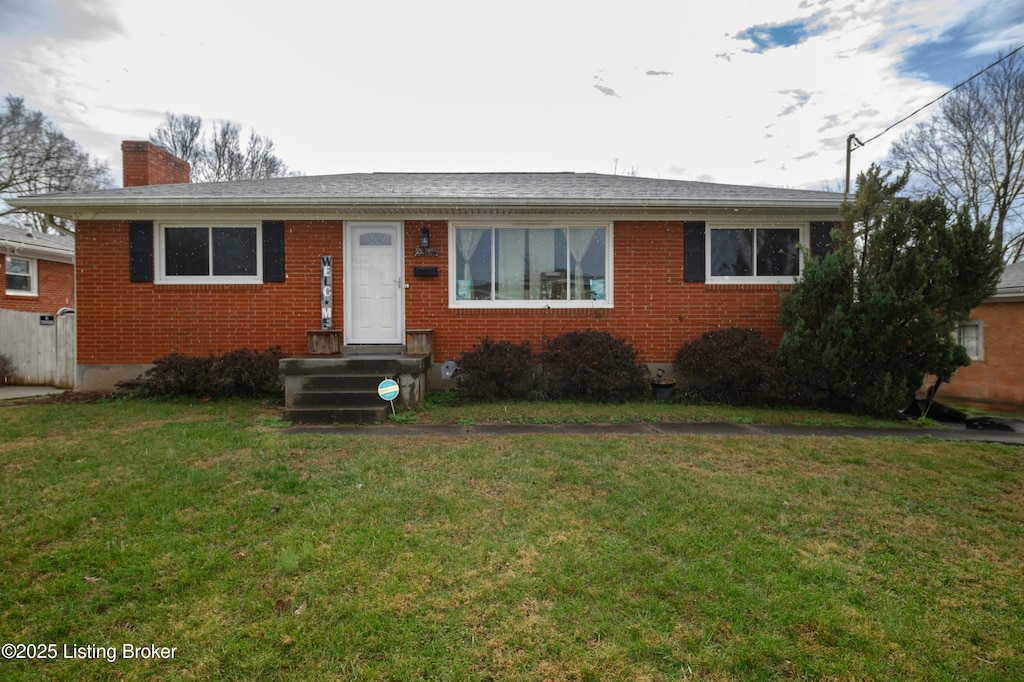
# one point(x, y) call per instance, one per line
point(23, 294)
point(530, 305)
point(208, 281)
point(773, 281)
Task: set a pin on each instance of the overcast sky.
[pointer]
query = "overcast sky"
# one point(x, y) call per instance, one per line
point(761, 92)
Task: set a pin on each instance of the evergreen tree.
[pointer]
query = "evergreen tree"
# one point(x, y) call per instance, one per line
point(864, 326)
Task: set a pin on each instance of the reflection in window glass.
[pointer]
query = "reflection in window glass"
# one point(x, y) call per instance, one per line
point(187, 251)
point(18, 275)
point(732, 253)
point(234, 251)
point(777, 253)
point(969, 336)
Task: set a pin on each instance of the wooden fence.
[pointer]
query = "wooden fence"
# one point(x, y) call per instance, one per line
point(41, 347)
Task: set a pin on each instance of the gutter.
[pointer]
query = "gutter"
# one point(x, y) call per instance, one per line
point(37, 251)
point(131, 208)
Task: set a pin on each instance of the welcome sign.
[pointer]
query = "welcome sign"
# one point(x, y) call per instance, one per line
point(326, 292)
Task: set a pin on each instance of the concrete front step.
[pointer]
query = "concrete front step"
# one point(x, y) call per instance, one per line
point(383, 365)
point(340, 382)
point(343, 390)
point(337, 398)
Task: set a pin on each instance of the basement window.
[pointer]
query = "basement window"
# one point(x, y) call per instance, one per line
point(225, 254)
point(20, 276)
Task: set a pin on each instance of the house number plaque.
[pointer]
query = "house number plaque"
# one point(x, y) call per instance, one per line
point(326, 292)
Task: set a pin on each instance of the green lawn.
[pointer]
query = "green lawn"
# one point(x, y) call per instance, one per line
point(256, 554)
point(442, 407)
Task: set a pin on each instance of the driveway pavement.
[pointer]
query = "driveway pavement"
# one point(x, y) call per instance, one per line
point(15, 392)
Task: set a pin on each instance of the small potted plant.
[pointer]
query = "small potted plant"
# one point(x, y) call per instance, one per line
point(662, 386)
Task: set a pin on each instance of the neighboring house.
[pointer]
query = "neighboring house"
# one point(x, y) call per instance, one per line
point(37, 329)
point(452, 257)
point(994, 338)
point(37, 269)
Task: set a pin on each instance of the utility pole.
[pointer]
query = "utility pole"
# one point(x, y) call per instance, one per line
point(849, 150)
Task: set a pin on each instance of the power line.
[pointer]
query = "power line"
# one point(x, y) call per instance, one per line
point(958, 85)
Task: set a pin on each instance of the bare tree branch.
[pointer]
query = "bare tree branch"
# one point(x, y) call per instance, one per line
point(222, 157)
point(972, 152)
point(36, 157)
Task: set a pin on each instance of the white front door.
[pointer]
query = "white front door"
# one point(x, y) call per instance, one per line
point(374, 284)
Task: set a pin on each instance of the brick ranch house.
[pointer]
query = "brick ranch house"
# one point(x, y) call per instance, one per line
point(38, 296)
point(456, 257)
point(993, 338)
point(37, 269)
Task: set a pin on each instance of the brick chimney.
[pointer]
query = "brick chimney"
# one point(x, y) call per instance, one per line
point(147, 164)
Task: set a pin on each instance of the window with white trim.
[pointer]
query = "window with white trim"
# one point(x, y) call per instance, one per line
point(969, 335)
point(517, 266)
point(755, 254)
point(219, 253)
point(20, 276)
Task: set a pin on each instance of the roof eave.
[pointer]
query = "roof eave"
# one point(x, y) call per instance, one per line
point(37, 251)
point(124, 208)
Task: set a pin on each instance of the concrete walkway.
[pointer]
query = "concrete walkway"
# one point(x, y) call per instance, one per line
point(1015, 437)
point(668, 429)
point(16, 392)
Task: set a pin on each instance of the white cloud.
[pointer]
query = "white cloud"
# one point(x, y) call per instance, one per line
point(459, 85)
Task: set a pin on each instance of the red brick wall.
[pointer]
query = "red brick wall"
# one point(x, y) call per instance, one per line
point(998, 378)
point(143, 163)
point(123, 322)
point(120, 322)
point(55, 288)
point(654, 309)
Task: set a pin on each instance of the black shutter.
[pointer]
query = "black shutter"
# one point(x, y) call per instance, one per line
point(693, 251)
point(273, 250)
point(821, 239)
point(140, 250)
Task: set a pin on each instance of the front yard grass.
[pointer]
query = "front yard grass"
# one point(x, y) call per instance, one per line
point(257, 554)
point(441, 407)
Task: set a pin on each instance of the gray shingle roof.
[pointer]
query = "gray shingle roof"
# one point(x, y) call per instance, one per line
point(1012, 280)
point(15, 239)
point(420, 190)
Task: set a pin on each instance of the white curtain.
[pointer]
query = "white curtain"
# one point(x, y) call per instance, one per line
point(580, 240)
point(468, 241)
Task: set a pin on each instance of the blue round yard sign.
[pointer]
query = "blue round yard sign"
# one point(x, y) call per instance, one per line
point(388, 389)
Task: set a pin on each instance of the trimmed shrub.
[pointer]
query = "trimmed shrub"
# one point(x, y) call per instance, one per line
point(731, 365)
point(497, 370)
point(238, 373)
point(593, 365)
